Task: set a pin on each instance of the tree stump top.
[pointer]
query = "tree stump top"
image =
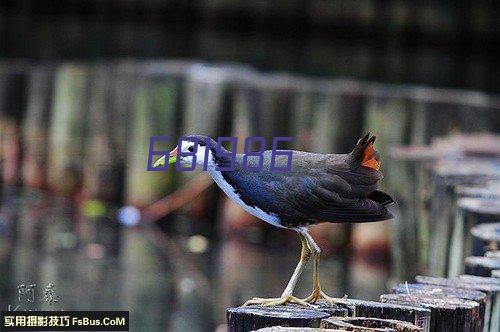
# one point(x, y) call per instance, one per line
point(492, 253)
point(487, 232)
point(480, 205)
point(466, 282)
point(430, 301)
point(254, 317)
point(284, 311)
point(369, 324)
point(477, 192)
point(295, 329)
point(436, 290)
point(492, 263)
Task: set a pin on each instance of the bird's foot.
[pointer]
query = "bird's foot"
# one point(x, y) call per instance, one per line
point(276, 301)
point(318, 294)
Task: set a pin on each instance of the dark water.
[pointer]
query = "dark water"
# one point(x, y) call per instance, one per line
point(168, 283)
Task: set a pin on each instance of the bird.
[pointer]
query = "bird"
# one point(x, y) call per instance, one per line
point(334, 188)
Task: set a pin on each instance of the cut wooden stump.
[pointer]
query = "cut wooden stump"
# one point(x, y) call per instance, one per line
point(486, 237)
point(447, 314)
point(481, 266)
point(451, 292)
point(484, 192)
point(443, 208)
point(418, 316)
point(494, 253)
point(489, 286)
point(495, 273)
point(413, 315)
point(478, 280)
point(295, 329)
point(470, 213)
point(364, 324)
point(243, 319)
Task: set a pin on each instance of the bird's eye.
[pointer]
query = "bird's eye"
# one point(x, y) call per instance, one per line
point(191, 149)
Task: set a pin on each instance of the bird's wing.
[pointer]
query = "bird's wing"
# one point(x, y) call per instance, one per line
point(335, 187)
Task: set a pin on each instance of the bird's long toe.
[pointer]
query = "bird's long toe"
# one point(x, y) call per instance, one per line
point(276, 301)
point(320, 295)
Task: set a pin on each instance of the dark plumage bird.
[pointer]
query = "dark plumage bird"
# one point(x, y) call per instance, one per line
point(319, 188)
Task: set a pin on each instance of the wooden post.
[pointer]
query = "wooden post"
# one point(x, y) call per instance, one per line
point(338, 122)
point(35, 126)
point(103, 160)
point(67, 132)
point(443, 205)
point(471, 212)
point(412, 162)
point(486, 285)
point(488, 191)
point(157, 103)
point(13, 82)
point(413, 314)
point(481, 266)
point(251, 318)
point(416, 316)
point(434, 290)
point(485, 237)
point(295, 329)
point(447, 314)
point(492, 253)
point(389, 119)
point(477, 279)
point(368, 324)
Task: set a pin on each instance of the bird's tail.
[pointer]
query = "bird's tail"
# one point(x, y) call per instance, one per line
point(364, 154)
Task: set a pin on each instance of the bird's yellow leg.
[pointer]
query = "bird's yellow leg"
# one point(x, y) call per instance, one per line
point(287, 296)
point(317, 292)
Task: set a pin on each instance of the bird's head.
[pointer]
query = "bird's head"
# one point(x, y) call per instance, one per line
point(188, 146)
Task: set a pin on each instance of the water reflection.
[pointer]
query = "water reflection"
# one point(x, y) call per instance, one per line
point(168, 283)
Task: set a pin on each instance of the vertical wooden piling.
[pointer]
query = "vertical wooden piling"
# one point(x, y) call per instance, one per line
point(36, 126)
point(104, 155)
point(389, 118)
point(244, 319)
point(338, 116)
point(447, 314)
point(485, 237)
point(67, 128)
point(416, 315)
point(446, 175)
point(13, 82)
point(485, 285)
point(156, 104)
point(471, 212)
point(451, 292)
point(481, 266)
